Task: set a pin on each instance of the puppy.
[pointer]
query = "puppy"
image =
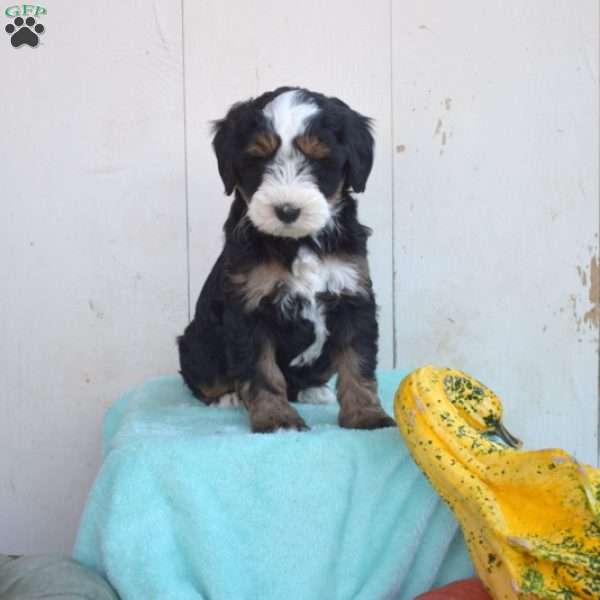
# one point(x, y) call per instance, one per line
point(289, 302)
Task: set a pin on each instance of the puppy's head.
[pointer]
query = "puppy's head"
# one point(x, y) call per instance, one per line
point(290, 153)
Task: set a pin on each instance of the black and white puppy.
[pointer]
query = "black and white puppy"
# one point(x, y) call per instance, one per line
point(289, 302)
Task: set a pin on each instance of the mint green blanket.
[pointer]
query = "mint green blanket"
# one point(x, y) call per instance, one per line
point(189, 505)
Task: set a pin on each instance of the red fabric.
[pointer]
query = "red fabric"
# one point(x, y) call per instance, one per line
point(470, 589)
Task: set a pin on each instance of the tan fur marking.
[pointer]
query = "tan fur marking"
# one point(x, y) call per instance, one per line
point(268, 367)
point(264, 144)
point(353, 390)
point(359, 405)
point(216, 390)
point(313, 147)
point(259, 282)
point(268, 406)
point(269, 370)
point(263, 280)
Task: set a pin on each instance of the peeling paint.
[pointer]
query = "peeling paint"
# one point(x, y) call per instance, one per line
point(592, 316)
point(440, 129)
point(590, 280)
point(576, 317)
point(99, 313)
point(159, 28)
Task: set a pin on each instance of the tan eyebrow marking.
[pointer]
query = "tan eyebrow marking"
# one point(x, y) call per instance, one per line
point(264, 144)
point(312, 146)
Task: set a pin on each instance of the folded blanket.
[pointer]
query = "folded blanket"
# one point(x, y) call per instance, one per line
point(188, 505)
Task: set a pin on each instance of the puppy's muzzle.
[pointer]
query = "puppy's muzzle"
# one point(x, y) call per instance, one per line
point(287, 213)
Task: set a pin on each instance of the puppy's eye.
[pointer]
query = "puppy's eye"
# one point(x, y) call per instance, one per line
point(312, 146)
point(263, 145)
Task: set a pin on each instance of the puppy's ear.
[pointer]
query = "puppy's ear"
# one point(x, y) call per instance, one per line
point(357, 137)
point(230, 135)
point(224, 147)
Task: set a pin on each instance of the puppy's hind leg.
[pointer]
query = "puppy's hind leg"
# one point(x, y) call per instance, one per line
point(202, 361)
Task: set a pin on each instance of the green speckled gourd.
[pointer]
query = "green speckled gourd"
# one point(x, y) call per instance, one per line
point(531, 519)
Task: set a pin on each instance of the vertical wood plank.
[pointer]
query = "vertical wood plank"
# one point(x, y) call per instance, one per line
point(496, 192)
point(92, 246)
point(232, 55)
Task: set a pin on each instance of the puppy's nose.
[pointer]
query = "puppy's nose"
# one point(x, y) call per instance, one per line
point(287, 213)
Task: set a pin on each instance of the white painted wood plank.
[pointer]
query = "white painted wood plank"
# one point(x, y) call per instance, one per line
point(92, 247)
point(234, 52)
point(496, 191)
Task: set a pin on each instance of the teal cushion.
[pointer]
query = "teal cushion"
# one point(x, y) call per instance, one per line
point(32, 577)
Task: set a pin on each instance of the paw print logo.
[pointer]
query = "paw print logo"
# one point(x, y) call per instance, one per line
point(24, 32)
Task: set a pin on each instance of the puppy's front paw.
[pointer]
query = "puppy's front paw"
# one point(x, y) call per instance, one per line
point(365, 417)
point(272, 418)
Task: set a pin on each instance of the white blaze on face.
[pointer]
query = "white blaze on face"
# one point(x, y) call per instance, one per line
point(288, 179)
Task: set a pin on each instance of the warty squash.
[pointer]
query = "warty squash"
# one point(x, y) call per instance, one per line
point(531, 519)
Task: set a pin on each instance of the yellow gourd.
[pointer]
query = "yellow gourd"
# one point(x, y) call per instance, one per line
point(531, 519)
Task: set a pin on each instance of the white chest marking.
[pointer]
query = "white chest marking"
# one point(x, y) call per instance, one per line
point(317, 395)
point(312, 276)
